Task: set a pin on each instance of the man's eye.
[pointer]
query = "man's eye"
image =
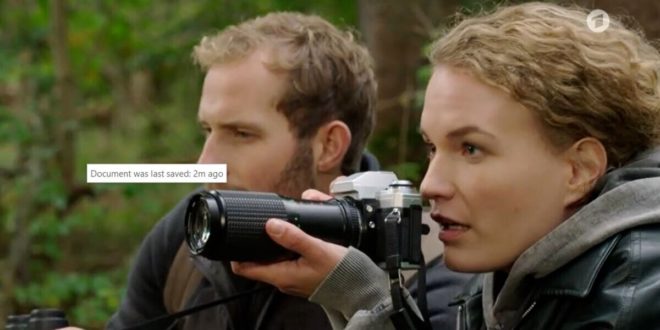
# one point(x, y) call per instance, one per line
point(242, 134)
point(206, 131)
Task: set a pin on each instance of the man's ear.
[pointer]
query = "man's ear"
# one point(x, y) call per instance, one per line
point(588, 161)
point(330, 146)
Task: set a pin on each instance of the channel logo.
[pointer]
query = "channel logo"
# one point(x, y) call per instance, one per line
point(598, 21)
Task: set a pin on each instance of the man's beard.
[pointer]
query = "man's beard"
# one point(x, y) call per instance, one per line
point(298, 174)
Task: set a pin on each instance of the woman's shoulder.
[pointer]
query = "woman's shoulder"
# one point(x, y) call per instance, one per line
point(636, 247)
point(626, 286)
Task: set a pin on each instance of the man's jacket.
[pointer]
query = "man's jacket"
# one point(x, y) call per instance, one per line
point(145, 298)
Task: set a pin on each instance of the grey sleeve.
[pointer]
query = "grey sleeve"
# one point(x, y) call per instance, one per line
point(356, 294)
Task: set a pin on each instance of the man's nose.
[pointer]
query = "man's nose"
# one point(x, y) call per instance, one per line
point(211, 153)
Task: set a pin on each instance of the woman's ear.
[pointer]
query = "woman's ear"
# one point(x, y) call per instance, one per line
point(588, 161)
point(330, 146)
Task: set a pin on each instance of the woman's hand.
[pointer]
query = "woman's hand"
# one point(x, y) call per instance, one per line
point(300, 276)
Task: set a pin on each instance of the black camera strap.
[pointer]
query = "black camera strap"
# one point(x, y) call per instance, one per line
point(421, 291)
point(403, 317)
point(163, 321)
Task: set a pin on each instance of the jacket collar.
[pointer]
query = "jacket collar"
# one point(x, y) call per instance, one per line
point(574, 279)
point(577, 277)
point(472, 289)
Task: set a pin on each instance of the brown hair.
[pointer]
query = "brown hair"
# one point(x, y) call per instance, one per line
point(330, 75)
point(578, 82)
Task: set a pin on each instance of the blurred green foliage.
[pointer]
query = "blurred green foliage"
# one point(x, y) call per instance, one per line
point(135, 94)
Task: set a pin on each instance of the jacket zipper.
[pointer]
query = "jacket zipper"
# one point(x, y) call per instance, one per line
point(529, 309)
point(460, 318)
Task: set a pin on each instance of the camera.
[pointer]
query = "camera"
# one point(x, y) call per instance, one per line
point(38, 319)
point(230, 225)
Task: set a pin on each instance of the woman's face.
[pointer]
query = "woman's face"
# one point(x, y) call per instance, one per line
point(495, 184)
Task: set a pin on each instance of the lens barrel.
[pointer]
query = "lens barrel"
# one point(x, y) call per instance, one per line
point(230, 225)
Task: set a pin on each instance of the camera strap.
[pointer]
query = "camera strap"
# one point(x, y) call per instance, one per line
point(403, 317)
point(163, 321)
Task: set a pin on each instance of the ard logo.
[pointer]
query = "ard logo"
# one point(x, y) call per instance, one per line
point(598, 21)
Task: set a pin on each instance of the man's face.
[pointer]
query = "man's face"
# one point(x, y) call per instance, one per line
point(243, 129)
point(495, 183)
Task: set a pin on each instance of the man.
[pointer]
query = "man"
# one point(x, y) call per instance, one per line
point(287, 103)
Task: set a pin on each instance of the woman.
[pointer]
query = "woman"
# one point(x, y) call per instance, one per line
point(544, 175)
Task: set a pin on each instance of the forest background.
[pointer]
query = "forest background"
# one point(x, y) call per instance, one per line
point(97, 81)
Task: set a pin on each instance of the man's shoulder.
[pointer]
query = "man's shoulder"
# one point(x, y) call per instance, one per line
point(159, 247)
point(150, 268)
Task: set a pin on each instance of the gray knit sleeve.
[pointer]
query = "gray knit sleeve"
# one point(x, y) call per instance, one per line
point(356, 294)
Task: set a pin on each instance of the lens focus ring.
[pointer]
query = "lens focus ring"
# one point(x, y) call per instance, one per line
point(246, 215)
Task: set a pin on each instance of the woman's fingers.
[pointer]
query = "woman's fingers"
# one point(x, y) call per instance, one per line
point(300, 276)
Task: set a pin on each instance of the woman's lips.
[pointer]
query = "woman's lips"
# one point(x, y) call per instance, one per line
point(450, 230)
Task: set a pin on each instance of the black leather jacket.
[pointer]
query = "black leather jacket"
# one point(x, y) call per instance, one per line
point(616, 285)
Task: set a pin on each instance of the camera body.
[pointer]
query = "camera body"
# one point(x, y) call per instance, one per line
point(378, 195)
point(230, 225)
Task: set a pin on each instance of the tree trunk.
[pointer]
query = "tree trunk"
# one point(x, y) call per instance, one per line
point(395, 33)
point(65, 138)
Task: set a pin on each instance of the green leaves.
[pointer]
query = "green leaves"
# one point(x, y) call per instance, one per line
point(88, 299)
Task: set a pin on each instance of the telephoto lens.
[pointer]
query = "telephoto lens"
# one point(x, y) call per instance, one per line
point(230, 225)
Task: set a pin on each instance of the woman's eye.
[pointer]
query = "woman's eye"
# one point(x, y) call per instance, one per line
point(470, 150)
point(430, 150)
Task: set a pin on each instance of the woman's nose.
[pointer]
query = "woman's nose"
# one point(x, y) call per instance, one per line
point(437, 182)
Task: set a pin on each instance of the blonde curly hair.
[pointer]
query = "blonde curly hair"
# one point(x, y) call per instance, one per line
point(579, 83)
